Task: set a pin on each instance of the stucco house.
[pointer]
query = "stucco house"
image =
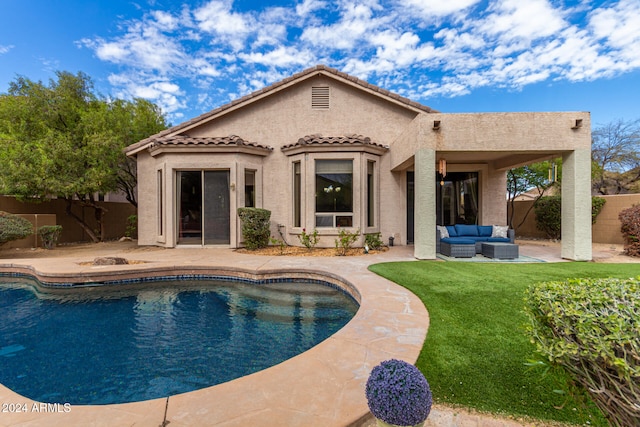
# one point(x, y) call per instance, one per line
point(323, 150)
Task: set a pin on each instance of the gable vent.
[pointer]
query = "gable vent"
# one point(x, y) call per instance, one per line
point(320, 98)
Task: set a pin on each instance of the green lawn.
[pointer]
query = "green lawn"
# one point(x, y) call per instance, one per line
point(477, 350)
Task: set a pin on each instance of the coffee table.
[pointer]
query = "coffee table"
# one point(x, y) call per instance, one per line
point(500, 250)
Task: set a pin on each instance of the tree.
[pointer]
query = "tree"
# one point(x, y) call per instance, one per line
point(615, 150)
point(62, 140)
point(525, 178)
point(132, 122)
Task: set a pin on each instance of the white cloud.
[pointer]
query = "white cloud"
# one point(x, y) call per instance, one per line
point(438, 8)
point(5, 48)
point(279, 57)
point(523, 20)
point(309, 6)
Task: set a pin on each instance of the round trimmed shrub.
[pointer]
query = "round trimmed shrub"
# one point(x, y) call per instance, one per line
point(49, 234)
point(397, 393)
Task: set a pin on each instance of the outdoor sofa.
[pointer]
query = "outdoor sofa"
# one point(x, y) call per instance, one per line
point(458, 238)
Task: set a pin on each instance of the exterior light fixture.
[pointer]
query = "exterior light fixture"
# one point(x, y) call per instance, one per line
point(442, 167)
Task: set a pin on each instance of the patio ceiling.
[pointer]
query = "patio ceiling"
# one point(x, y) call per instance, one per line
point(500, 160)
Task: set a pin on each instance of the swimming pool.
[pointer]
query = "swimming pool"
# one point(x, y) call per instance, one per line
point(103, 346)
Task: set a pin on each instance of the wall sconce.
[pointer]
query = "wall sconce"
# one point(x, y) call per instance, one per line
point(578, 124)
point(436, 125)
point(233, 186)
point(442, 167)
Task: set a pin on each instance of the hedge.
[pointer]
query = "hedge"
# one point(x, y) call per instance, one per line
point(591, 328)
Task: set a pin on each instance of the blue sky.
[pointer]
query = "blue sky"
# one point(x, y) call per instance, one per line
point(452, 55)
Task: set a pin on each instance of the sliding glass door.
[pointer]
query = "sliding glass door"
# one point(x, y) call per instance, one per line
point(203, 207)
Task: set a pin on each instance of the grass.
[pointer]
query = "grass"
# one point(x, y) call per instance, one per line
point(476, 353)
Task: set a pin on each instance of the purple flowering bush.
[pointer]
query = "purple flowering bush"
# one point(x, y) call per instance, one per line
point(398, 393)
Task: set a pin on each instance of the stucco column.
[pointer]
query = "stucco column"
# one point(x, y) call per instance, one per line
point(576, 205)
point(425, 204)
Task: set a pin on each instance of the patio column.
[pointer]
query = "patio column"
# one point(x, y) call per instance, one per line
point(425, 204)
point(576, 205)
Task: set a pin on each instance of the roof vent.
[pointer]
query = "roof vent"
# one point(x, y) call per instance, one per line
point(320, 97)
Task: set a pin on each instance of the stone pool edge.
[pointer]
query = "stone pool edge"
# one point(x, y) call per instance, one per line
point(323, 386)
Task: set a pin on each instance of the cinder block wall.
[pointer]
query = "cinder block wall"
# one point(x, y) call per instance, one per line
point(605, 230)
point(54, 212)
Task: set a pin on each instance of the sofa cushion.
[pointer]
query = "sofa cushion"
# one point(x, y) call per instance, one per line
point(444, 233)
point(498, 239)
point(452, 231)
point(466, 230)
point(459, 241)
point(485, 230)
point(500, 231)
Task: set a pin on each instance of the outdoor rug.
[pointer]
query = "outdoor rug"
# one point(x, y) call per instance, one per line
point(480, 258)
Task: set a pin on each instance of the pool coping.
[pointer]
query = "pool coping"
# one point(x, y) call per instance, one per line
point(322, 386)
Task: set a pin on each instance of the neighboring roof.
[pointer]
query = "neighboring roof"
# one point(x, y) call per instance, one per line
point(350, 141)
point(289, 81)
point(157, 143)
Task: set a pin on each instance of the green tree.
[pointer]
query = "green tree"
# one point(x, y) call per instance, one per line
point(62, 140)
point(133, 121)
point(540, 176)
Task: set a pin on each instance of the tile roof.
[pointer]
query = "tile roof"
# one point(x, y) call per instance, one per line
point(231, 140)
point(351, 140)
point(318, 69)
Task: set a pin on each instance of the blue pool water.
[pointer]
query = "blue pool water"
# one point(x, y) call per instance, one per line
point(96, 346)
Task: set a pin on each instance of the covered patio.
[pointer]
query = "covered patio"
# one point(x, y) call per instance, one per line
point(488, 145)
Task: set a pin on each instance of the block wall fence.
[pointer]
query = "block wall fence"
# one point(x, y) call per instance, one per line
point(605, 230)
point(53, 212)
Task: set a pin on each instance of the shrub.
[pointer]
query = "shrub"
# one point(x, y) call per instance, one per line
point(345, 240)
point(13, 227)
point(49, 234)
point(549, 216)
point(132, 227)
point(255, 227)
point(309, 240)
point(279, 243)
point(591, 328)
point(630, 227)
point(397, 393)
point(373, 240)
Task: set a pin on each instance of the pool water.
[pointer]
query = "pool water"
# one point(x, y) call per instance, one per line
point(98, 346)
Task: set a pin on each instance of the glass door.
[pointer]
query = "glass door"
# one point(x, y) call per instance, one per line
point(216, 208)
point(203, 207)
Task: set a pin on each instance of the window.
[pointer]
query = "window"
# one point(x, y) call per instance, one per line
point(297, 195)
point(370, 194)
point(457, 198)
point(334, 193)
point(160, 200)
point(249, 188)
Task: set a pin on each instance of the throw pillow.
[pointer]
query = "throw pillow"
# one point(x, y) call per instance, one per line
point(499, 231)
point(444, 233)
